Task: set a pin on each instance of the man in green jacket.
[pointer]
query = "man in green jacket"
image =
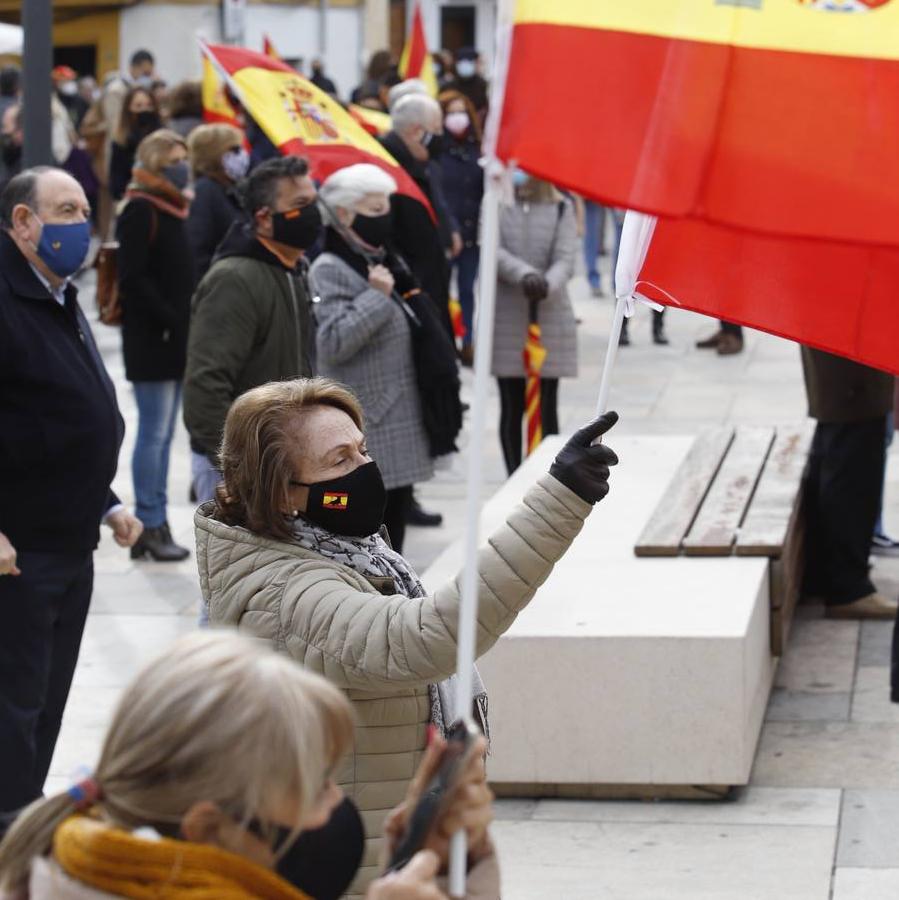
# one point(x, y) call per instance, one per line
point(250, 321)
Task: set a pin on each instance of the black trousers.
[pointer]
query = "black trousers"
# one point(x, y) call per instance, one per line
point(43, 615)
point(844, 492)
point(730, 328)
point(398, 502)
point(511, 413)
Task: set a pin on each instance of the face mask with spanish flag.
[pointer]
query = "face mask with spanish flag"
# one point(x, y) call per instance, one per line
point(352, 505)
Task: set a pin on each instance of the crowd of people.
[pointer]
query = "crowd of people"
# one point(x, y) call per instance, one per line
point(303, 332)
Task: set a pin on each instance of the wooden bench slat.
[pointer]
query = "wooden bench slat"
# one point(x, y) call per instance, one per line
point(715, 529)
point(764, 530)
point(677, 509)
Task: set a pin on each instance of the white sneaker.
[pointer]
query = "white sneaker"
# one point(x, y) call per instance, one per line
point(884, 545)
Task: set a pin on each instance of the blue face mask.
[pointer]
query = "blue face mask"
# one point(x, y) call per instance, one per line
point(63, 247)
point(519, 178)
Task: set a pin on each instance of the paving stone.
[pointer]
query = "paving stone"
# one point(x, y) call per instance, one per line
point(866, 884)
point(820, 657)
point(807, 706)
point(750, 806)
point(614, 861)
point(871, 698)
point(828, 754)
point(869, 829)
point(514, 810)
point(874, 644)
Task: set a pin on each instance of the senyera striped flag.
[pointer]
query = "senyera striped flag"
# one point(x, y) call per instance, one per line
point(762, 133)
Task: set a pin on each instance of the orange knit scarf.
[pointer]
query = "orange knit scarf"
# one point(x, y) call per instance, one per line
point(112, 860)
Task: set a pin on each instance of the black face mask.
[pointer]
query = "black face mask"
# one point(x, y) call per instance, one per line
point(434, 142)
point(374, 230)
point(322, 863)
point(146, 121)
point(299, 227)
point(352, 505)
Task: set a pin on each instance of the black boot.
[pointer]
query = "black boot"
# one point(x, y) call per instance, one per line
point(625, 339)
point(658, 328)
point(159, 545)
point(415, 515)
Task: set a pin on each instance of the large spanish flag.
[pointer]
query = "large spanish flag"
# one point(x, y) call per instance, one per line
point(761, 132)
point(216, 105)
point(300, 119)
point(416, 60)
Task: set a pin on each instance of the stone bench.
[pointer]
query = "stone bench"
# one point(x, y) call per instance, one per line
point(627, 675)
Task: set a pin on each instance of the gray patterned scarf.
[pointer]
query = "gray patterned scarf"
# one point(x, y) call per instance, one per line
point(373, 557)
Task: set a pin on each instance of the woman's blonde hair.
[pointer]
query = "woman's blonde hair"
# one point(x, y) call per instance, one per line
point(154, 150)
point(207, 144)
point(260, 442)
point(217, 717)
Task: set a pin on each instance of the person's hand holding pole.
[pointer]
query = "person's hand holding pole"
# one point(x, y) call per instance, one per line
point(582, 465)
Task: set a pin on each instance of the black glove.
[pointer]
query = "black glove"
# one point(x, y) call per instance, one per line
point(583, 467)
point(534, 286)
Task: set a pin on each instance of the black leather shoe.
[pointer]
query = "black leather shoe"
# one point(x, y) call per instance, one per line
point(624, 339)
point(658, 330)
point(157, 543)
point(418, 516)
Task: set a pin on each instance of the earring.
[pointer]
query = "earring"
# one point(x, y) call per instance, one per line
point(296, 514)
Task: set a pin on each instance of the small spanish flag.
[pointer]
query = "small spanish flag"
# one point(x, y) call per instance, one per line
point(335, 501)
point(456, 317)
point(268, 48)
point(416, 61)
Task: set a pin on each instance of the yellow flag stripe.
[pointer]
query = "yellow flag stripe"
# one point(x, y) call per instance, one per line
point(800, 26)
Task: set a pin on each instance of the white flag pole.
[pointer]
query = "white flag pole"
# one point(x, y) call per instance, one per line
point(468, 611)
point(636, 237)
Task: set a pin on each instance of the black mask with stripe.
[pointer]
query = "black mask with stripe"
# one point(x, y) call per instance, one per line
point(352, 505)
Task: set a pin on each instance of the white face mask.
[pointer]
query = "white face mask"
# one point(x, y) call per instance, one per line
point(465, 68)
point(236, 163)
point(68, 89)
point(457, 122)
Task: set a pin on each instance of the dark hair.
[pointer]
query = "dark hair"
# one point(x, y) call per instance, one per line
point(10, 78)
point(21, 188)
point(260, 188)
point(139, 57)
point(379, 64)
point(186, 99)
point(127, 120)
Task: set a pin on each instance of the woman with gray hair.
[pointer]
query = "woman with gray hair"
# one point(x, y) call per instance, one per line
point(363, 337)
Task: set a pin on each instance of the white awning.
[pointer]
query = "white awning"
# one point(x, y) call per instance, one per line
point(11, 37)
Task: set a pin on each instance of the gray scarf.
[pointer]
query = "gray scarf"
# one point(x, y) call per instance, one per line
point(373, 557)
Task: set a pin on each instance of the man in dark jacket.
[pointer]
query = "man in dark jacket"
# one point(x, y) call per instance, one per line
point(60, 432)
point(845, 482)
point(250, 319)
point(417, 137)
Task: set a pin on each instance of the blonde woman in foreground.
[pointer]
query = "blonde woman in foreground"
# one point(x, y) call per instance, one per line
point(219, 755)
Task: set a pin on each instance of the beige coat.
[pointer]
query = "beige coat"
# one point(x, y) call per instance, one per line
point(382, 648)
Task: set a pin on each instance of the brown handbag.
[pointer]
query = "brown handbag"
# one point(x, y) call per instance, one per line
point(106, 264)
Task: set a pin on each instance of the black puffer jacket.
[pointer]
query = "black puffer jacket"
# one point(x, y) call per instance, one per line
point(214, 209)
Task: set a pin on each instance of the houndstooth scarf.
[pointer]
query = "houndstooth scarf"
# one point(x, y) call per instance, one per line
point(373, 557)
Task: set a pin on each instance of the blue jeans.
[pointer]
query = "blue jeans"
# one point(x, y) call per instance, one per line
point(466, 266)
point(594, 224)
point(157, 410)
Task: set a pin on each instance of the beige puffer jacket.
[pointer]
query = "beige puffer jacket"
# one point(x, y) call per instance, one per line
point(381, 647)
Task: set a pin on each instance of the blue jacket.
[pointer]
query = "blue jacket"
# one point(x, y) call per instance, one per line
point(463, 185)
point(60, 428)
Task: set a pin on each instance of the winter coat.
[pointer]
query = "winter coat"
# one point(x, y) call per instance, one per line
point(463, 185)
point(841, 391)
point(214, 209)
point(156, 280)
point(363, 340)
point(542, 238)
point(250, 324)
point(415, 234)
point(381, 647)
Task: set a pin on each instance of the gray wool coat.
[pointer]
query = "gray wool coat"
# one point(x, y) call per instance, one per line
point(534, 237)
point(363, 340)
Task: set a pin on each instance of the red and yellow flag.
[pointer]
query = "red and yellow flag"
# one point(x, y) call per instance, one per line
point(216, 105)
point(534, 354)
point(372, 120)
point(416, 60)
point(268, 48)
point(300, 119)
point(761, 132)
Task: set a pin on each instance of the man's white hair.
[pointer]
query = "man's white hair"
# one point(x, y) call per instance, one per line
point(414, 110)
point(405, 89)
point(346, 187)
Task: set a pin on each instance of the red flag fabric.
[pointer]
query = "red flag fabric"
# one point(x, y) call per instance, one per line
point(416, 60)
point(300, 119)
point(760, 133)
